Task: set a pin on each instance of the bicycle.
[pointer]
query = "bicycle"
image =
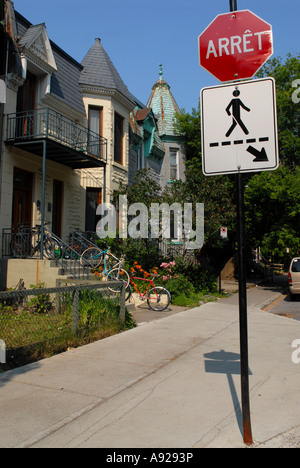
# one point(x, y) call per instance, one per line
point(22, 245)
point(109, 265)
point(158, 298)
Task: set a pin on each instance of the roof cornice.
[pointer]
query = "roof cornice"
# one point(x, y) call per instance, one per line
point(107, 92)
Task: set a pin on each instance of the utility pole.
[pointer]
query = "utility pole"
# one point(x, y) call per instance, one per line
point(243, 303)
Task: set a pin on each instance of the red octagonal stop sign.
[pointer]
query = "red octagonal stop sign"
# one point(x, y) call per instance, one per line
point(235, 45)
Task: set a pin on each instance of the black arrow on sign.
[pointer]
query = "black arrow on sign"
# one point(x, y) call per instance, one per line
point(260, 156)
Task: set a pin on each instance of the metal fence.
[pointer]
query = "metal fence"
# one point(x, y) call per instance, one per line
point(35, 319)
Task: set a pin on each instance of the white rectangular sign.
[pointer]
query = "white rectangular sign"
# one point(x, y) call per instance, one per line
point(239, 127)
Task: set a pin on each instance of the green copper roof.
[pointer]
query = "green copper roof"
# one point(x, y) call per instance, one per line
point(163, 105)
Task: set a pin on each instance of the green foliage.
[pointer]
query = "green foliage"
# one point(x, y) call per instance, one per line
point(181, 278)
point(288, 112)
point(144, 189)
point(42, 303)
point(272, 201)
point(141, 251)
point(188, 126)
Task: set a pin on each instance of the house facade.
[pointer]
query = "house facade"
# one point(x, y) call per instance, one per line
point(165, 108)
point(71, 132)
point(65, 140)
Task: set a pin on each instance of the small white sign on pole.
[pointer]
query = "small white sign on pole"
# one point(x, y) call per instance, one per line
point(239, 127)
point(223, 232)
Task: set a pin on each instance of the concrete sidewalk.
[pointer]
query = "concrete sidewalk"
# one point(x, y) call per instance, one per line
point(169, 383)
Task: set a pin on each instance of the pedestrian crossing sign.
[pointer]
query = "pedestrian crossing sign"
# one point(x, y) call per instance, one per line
point(239, 127)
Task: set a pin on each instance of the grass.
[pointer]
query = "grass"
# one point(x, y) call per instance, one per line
point(30, 335)
point(195, 299)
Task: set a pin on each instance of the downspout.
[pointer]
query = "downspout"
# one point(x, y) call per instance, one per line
point(44, 188)
point(3, 110)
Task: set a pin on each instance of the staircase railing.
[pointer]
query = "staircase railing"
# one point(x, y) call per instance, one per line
point(69, 257)
point(81, 241)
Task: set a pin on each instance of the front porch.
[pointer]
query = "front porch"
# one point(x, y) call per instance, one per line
point(55, 138)
point(22, 258)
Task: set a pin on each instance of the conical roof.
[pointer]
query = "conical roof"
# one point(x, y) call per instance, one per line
point(164, 106)
point(100, 71)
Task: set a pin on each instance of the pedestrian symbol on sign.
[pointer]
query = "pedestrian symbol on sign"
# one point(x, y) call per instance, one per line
point(236, 105)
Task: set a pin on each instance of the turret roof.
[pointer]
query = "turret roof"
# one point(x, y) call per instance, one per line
point(100, 71)
point(163, 105)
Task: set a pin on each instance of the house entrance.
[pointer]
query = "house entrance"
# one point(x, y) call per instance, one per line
point(57, 207)
point(22, 197)
point(93, 199)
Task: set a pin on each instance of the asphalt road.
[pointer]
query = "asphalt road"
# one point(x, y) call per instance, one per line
point(286, 307)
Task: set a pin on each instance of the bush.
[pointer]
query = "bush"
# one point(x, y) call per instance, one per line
point(42, 303)
point(180, 279)
point(186, 278)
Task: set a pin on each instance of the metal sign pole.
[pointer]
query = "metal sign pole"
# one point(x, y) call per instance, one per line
point(243, 315)
point(243, 303)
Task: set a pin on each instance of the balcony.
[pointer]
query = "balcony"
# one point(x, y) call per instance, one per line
point(67, 142)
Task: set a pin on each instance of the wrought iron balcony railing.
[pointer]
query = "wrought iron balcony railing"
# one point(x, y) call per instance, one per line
point(47, 124)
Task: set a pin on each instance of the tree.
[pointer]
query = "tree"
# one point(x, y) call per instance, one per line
point(272, 202)
point(146, 191)
point(288, 111)
point(217, 193)
point(272, 198)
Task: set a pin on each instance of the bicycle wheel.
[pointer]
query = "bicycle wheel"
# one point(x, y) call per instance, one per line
point(91, 257)
point(51, 248)
point(158, 299)
point(120, 275)
point(16, 246)
point(21, 246)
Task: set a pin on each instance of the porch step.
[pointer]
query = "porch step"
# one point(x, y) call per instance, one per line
point(70, 268)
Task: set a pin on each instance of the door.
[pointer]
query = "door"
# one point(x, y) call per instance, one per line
point(93, 199)
point(22, 197)
point(57, 207)
point(25, 105)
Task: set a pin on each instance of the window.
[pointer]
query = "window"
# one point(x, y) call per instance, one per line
point(95, 119)
point(140, 158)
point(119, 129)
point(173, 164)
point(95, 127)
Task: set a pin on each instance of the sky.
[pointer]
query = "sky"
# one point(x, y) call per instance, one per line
point(138, 36)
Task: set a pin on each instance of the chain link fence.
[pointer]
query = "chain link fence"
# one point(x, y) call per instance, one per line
point(40, 322)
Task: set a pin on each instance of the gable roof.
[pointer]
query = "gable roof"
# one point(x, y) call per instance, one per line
point(98, 70)
point(65, 80)
point(36, 41)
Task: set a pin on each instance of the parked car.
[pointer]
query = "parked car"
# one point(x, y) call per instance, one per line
point(294, 277)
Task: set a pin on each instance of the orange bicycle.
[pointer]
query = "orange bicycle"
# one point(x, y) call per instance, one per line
point(157, 297)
